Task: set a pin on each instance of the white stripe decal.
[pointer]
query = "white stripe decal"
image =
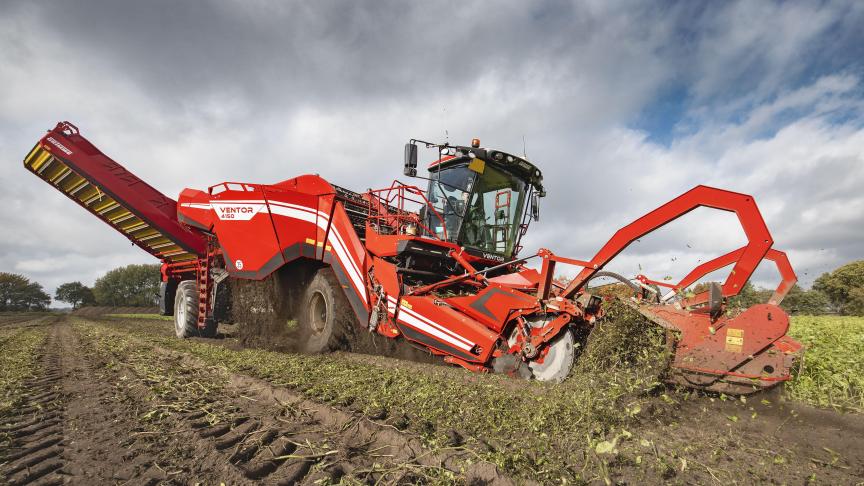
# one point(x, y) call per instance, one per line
point(410, 318)
point(417, 323)
point(322, 222)
point(308, 216)
point(426, 320)
point(321, 219)
point(293, 213)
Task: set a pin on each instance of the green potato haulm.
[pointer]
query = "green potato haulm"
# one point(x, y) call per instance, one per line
point(832, 372)
point(19, 348)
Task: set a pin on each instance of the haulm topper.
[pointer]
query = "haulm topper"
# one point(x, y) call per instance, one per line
point(439, 268)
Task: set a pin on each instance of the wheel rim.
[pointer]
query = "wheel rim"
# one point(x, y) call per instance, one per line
point(558, 361)
point(180, 316)
point(318, 313)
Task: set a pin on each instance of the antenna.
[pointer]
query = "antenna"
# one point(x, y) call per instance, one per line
point(524, 150)
point(446, 132)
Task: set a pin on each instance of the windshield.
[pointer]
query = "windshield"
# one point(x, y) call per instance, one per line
point(495, 212)
point(481, 211)
point(448, 192)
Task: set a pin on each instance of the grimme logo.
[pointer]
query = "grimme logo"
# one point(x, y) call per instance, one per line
point(236, 212)
point(60, 146)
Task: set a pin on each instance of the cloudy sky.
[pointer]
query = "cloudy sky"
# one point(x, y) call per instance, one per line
point(623, 105)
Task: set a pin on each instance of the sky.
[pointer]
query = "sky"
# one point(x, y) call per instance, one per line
point(623, 105)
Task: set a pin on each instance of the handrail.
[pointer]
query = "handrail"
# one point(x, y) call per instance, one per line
point(395, 199)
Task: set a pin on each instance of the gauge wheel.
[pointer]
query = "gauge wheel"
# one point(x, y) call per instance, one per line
point(186, 309)
point(558, 361)
point(186, 312)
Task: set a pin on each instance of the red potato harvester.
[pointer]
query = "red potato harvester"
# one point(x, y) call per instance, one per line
point(439, 267)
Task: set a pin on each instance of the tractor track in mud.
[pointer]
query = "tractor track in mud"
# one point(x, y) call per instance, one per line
point(88, 418)
point(691, 438)
point(35, 430)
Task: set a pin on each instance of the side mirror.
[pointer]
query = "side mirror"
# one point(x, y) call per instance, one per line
point(410, 169)
point(535, 207)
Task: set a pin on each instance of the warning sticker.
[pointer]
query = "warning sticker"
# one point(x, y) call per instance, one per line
point(734, 340)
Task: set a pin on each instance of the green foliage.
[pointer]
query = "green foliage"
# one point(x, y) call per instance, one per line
point(843, 286)
point(855, 304)
point(18, 293)
point(75, 293)
point(749, 296)
point(833, 370)
point(806, 302)
point(132, 286)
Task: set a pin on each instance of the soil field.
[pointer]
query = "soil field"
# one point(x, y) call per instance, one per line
point(119, 400)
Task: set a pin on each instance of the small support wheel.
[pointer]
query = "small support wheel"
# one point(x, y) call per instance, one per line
point(186, 312)
point(186, 309)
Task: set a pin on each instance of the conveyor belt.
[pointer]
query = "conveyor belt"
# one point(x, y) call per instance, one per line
point(142, 214)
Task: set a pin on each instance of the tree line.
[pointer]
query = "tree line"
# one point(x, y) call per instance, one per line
point(128, 286)
point(837, 292)
point(18, 293)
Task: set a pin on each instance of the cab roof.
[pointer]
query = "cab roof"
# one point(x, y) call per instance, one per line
point(519, 166)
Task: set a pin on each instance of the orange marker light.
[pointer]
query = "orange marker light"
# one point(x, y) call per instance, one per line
point(475, 142)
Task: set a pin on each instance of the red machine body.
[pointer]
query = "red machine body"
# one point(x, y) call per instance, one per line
point(483, 307)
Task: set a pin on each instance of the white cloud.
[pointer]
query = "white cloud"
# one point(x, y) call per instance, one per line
point(329, 90)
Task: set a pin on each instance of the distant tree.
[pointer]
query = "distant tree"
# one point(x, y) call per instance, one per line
point(75, 293)
point(855, 304)
point(843, 287)
point(806, 302)
point(18, 293)
point(132, 285)
point(749, 296)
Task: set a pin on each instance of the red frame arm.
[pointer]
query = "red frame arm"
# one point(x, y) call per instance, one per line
point(787, 274)
point(758, 236)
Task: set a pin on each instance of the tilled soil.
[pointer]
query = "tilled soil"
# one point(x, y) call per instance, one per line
point(103, 411)
point(107, 406)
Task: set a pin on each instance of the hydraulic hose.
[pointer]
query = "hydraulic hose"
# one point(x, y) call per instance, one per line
point(626, 281)
point(616, 276)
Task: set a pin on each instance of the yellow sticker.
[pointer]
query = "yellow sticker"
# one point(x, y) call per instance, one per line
point(310, 241)
point(734, 340)
point(406, 304)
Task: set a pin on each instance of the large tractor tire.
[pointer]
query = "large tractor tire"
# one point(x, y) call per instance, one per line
point(186, 312)
point(324, 317)
point(302, 307)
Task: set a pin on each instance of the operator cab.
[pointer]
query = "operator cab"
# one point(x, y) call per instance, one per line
point(479, 198)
